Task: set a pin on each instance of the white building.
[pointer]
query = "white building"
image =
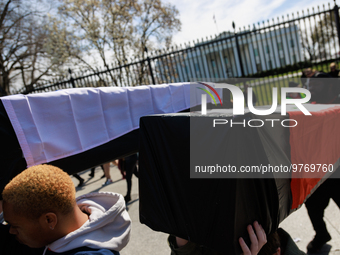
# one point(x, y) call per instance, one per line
point(260, 50)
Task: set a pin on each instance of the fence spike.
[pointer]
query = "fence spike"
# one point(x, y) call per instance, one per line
point(313, 9)
point(323, 5)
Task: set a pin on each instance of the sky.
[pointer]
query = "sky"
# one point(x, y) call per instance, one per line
point(197, 15)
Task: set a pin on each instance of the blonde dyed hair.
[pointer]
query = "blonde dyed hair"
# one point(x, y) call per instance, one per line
point(40, 189)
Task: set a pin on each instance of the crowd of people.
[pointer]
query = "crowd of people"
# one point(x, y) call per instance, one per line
point(43, 216)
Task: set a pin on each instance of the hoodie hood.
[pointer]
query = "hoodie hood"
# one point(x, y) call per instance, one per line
point(108, 226)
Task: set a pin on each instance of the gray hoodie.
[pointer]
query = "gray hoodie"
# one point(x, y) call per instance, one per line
point(108, 226)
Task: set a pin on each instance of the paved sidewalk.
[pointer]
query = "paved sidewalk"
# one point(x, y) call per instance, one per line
point(145, 241)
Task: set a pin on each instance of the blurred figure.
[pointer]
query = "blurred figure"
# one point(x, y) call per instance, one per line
point(257, 235)
point(324, 91)
point(334, 70)
point(93, 169)
point(107, 174)
point(128, 165)
point(306, 75)
point(280, 243)
point(316, 205)
point(292, 84)
point(81, 180)
point(245, 93)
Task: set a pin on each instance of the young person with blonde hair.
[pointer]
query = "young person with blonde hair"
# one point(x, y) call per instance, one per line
point(41, 210)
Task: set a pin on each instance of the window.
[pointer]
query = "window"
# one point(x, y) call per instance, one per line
point(292, 43)
point(282, 61)
point(197, 67)
point(213, 63)
point(267, 49)
point(258, 67)
point(256, 52)
point(226, 60)
point(186, 69)
point(279, 45)
point(294, 58)
point(270, 64)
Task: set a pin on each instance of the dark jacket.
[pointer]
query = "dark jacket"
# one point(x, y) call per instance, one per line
point(288, 246)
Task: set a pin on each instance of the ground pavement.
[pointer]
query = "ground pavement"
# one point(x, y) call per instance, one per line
point(144, 241)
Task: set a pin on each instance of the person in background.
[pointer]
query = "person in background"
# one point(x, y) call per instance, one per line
point(107, 174)
point(43, 214)
point(127, 167)
point(307, 73)
point(292, 84)
point(180, 246)
point(81, 180)
point(324, 90)
point(91, 174)
point(245, 93)
point(280, 243)
point(334, 70)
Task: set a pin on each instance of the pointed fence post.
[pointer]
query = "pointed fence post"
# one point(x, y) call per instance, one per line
point(238, 50)
point(336, 17)
point(71, 79)
point(149, 65)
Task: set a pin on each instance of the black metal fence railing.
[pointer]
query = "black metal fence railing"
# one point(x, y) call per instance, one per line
point(271, 49)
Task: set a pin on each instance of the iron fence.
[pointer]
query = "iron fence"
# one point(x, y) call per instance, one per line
point(273, 49)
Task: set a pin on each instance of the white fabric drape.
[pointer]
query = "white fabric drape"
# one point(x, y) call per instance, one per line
point(54, 125)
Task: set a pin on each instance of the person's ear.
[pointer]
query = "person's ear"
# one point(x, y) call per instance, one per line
point(49, 220)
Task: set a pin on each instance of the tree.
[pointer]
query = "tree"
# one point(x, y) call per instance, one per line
point(318, 41)
point(24, 58)
point(118, 30)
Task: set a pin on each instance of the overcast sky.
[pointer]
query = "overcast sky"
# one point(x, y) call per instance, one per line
point(197, 15)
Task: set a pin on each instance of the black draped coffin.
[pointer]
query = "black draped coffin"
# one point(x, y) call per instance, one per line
point(208, 209)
